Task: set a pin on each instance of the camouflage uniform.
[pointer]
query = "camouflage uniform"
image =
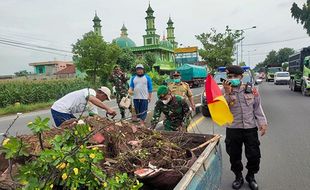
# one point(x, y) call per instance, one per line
point(121, 88)
point(181, 89)
point(176, 114)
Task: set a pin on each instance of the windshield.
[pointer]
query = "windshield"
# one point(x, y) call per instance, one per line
point(274, 69)
point(246, 77)
point(283, 75)
point(218, 76)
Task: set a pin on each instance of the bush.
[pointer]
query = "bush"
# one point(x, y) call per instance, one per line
point(157, 79)
point(29, 91)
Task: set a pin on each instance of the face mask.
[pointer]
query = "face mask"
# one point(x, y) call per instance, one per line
point(177, 80)
point(166, 101)
point(235, 82)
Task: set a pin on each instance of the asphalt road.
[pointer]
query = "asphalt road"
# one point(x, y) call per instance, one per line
point(20, 126)
point(285, 163)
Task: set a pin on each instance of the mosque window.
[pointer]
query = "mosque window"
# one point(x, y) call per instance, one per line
point(149, 41)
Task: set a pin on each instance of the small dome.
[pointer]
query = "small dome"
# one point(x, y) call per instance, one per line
point(124, 42)
point(166, 43)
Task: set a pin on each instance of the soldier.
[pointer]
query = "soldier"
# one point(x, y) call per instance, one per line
point(177, 87)
point(249, 117)
point(175, 109)
point(119, 80)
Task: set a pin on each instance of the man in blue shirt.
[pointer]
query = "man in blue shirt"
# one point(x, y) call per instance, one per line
point(141, 89)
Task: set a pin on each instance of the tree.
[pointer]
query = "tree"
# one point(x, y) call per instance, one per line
point(242, 64)
point(22, 73)
point(94, 56)
point(150, 59)
point(283, 55)
point(271, 60)
point(219, 47)
point(285, 66)
point(302, 15)
point(126, 59)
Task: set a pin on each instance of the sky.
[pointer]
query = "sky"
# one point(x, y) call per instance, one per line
point(59, 23)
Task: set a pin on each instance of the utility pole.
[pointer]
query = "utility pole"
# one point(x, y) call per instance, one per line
point(241, 42)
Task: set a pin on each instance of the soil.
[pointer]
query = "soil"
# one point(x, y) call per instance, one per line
point(127, 147)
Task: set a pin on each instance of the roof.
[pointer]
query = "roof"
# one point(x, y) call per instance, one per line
point(50, 63)
point(70, 69)
point(151, 47)
point(186, 50)
point(124, 42)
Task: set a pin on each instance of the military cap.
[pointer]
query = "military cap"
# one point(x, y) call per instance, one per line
point(234, 69)
point(162, 91)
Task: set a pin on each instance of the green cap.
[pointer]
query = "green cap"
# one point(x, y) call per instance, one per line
point(162, 91)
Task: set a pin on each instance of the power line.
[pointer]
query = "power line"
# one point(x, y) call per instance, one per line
point(276, 41)
point(29, 48)
point(6, 40)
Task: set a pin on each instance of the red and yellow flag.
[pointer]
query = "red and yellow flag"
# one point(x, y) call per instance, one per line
point(217, 104)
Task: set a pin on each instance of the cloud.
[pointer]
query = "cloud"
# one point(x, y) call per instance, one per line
point(58, 23)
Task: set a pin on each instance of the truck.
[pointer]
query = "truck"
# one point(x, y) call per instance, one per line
point(270, 71)
point(192, 74)
point(299, 69)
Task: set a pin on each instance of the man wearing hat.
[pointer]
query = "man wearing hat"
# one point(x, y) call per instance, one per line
point(249, 117)
point(141, 89)
point(174, 108)
point(180, 88)
point(81, 101)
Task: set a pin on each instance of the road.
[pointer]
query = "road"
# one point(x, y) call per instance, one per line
point(285, 163)
point(20, 126)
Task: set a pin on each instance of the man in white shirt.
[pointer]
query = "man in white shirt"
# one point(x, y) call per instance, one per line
point(84, 100)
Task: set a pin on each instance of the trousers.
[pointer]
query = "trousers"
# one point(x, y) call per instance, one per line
point(235, 138)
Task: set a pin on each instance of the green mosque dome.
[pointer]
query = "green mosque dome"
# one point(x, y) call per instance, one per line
point(123, 41)
point(165, 43)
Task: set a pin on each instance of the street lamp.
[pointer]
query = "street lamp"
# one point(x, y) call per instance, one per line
point(249, 61)
point(241, 42)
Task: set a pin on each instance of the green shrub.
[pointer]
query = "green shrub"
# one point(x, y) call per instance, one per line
point(31, 91)
point(157, 79)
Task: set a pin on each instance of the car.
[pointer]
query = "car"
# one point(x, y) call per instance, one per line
point(282, 78)
point(247, 77)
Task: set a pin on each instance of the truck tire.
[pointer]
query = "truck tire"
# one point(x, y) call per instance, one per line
point(290, 85)
point(205, 111)
point(304, 91)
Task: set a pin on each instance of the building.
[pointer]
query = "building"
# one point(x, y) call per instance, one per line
point(163, 49)
point(68, 72)
point(49, 68)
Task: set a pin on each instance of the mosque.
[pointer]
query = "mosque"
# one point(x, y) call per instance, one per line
point(163, 48)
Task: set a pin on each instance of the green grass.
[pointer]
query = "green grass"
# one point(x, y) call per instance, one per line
point(23, 108)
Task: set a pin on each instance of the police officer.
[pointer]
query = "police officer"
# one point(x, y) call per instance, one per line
point(119, 80)
point(249, 117)
point(175, 109)
point(180, 88)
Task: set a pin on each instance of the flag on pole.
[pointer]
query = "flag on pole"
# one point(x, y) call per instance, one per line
point(218, 107)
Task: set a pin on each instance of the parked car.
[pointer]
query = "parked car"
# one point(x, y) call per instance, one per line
point(247, 77)
point(282, 78)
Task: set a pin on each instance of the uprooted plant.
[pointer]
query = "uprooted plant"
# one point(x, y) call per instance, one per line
point(68, 163)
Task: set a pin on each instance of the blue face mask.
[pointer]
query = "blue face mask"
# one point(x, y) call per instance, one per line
point(235, 82)
point(177, 80)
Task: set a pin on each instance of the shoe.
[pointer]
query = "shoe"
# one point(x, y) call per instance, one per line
point(252, 182)
point(237, 184)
